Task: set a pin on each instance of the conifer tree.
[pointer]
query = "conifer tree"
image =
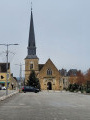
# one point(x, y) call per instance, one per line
point(33, 80)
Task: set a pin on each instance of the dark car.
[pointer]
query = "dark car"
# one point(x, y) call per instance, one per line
point(29, 89)
point(0, 87)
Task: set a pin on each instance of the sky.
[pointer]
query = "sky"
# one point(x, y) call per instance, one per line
point(62, 32)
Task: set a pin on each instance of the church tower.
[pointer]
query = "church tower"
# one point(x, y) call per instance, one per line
point(31, 60)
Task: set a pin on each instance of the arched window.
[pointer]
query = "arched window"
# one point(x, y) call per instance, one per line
point(49, 72)
point(31, 66)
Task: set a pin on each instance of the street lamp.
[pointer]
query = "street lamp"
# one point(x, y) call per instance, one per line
point(7, 45)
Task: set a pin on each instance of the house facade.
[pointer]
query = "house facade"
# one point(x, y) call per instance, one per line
point(12, 82)
point(3, 74)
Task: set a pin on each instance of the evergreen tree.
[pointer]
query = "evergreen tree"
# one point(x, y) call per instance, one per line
point(33, 80)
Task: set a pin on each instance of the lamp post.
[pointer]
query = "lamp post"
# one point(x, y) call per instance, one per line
point(7, 45)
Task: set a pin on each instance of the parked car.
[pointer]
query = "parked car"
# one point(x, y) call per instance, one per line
point(0, 88)
point(3, 88)
point(29, 89)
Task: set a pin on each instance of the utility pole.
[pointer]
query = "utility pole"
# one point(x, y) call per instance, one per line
point(7, 71)
point(20, 74)
point(7, 76)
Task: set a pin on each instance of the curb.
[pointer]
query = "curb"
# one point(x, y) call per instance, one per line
point(5, 97)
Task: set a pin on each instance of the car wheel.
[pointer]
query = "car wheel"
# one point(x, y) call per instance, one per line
point(35, 91)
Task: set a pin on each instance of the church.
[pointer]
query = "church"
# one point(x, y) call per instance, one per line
point(49, 76)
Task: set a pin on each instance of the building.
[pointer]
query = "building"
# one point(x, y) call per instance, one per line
point(13, 85)
point(66, 82)
point(49, 76)
point(3, 74)
point(12, 82)
point(72, 72)
point(63, 72)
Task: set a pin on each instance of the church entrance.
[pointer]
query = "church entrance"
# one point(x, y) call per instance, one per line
point(49, 86)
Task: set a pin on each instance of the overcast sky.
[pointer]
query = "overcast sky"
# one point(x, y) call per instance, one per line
point(62, 32)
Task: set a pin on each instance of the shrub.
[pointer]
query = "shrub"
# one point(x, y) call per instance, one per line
point(71, 90)
point(88, 90)
point(73, 87)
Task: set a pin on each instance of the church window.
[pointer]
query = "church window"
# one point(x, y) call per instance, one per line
point(31, 66)
point(49, 72)
point(63, 81)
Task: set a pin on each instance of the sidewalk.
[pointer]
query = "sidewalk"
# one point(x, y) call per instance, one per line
point(3, 95)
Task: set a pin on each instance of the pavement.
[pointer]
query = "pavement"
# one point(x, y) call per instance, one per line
point(3, 95)
point(46, 106)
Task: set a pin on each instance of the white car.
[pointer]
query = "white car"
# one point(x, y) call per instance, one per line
point(3, 88)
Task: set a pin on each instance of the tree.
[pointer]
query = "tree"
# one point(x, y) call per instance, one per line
point(87, 76)
point(33, 80)
point(80, 78)
point(72, 79)
point(87, 79)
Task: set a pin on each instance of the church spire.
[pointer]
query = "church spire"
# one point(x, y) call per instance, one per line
point(31, 41)
point(31, 6)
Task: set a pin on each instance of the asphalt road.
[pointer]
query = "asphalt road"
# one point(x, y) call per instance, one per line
point(46, 106)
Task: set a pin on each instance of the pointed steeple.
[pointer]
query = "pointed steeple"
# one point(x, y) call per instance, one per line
point(31, 41)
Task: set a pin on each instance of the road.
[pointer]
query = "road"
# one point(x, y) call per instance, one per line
point(46, 106)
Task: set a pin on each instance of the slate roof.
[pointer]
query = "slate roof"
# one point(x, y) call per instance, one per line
point(72, 72)
point(31, 41)
point(41, 66)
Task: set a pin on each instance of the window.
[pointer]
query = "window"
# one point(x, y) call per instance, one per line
point(31, 66)
point(49, 72)
point(63, 81)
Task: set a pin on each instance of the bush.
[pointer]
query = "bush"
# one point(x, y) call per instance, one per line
point(73, 87)
point(71, 90)
point(88, 90)
point(76, 90)
point(82, 91)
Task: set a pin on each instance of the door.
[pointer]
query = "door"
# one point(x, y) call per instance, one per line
point(49, 86)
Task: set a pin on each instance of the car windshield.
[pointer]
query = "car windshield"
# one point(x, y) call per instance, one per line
point(27, 87)
point(31, 87)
